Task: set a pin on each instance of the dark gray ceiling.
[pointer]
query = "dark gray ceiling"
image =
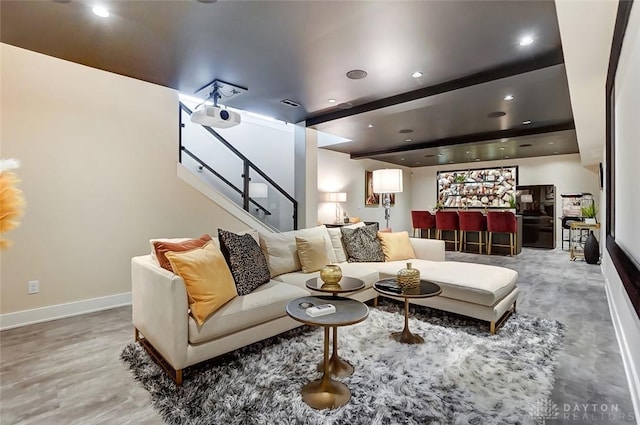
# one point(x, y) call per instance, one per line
point(301, 50)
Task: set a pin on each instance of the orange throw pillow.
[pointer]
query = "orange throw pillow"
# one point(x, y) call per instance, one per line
point(162, 248)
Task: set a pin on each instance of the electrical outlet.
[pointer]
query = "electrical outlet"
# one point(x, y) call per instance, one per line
point(33, 287)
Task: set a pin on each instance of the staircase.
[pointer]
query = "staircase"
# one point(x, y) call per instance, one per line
point(216, 168)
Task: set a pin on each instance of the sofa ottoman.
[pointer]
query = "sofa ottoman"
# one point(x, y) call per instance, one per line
point(481, 291)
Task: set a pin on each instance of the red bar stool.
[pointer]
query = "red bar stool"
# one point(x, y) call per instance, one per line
point(422, 220)
point(502, 222)
point(447, 220)
point(472, 221)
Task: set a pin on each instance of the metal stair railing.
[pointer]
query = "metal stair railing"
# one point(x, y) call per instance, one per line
point(247, 166)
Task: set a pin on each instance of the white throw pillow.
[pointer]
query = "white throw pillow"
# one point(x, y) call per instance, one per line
point(281, 251)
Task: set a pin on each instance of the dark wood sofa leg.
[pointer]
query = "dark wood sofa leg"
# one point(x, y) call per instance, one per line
point(175, 374)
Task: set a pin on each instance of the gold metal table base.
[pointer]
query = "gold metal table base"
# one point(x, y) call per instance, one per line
point(406, 336)
point(337, 366)
point(325, 393)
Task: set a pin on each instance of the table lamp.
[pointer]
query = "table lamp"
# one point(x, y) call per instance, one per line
point(338, 197)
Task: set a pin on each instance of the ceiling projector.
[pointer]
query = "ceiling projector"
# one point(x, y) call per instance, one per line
point(215, 116)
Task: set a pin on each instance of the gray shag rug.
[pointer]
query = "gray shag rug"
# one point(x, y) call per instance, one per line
point(461, 375)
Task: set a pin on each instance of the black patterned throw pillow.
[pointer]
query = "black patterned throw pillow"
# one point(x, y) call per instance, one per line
point(245, 259)
point(362, 244)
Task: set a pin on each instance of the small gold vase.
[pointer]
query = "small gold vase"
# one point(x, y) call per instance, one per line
point(409, 277)
point(331, 275)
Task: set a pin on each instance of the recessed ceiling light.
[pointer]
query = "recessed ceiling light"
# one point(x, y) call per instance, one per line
point(344, 105)
point(370, 126)
point(405, 131)
point(526, 122)
point(477, 159)
point(496, 114)
point(356, 74)
point(526, 40)
point(101, 11)
point(440, 154)
point(417, 74)
point(401, 159)
point(526, 145)
point(450, 162)
point(468, 151)
point(508, 97)
point(417, 162)
point(556, 152)
point(331, 101)
point(207, 1)
point(506, 157)
point(551, 143)
point(407, 140)
point(501, 148)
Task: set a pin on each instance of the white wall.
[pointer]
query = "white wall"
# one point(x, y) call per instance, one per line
point(564, 171)
point(627, 202)
point(338, 173)
point(99, 155)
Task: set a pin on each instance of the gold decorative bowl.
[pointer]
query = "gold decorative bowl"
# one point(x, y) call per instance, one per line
point(331, 275)
point(409, 277)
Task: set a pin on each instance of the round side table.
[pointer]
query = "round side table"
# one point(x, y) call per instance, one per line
point(425, 290)
point(325, 393)
point(337, 365)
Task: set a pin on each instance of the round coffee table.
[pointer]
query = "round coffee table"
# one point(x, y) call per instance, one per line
point(325, 393)
point(337, 366)
point(425, 290)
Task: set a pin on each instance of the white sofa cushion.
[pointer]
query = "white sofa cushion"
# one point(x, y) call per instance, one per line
point(281, 251)
point(356, 270)
point(267, 302)
point(474, 283)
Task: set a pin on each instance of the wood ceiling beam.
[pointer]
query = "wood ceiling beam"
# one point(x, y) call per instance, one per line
point(470, 138)
point(552, 58)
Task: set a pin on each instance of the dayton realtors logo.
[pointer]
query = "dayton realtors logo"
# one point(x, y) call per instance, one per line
point(544, 410)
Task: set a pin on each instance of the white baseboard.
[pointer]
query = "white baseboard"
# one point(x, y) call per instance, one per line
point(631, 368)
point(45, 314)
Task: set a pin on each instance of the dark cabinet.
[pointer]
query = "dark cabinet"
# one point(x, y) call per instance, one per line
point(537, 203)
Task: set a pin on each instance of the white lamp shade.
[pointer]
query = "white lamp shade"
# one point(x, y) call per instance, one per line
point(258, 190)
point(387, 181)
point(337, 197)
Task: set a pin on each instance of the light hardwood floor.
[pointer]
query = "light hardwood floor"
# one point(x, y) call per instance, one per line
point(69, 372)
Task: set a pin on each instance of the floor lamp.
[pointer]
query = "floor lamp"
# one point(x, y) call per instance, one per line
point(386, 182)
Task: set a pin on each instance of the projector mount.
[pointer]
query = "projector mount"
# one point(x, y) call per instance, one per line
point(218, 89)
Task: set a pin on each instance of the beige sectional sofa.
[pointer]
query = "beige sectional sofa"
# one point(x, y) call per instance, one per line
point(164, 326)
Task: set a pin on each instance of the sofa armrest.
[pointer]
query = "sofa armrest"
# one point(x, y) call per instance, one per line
point(428, 249)
point(160, 309)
